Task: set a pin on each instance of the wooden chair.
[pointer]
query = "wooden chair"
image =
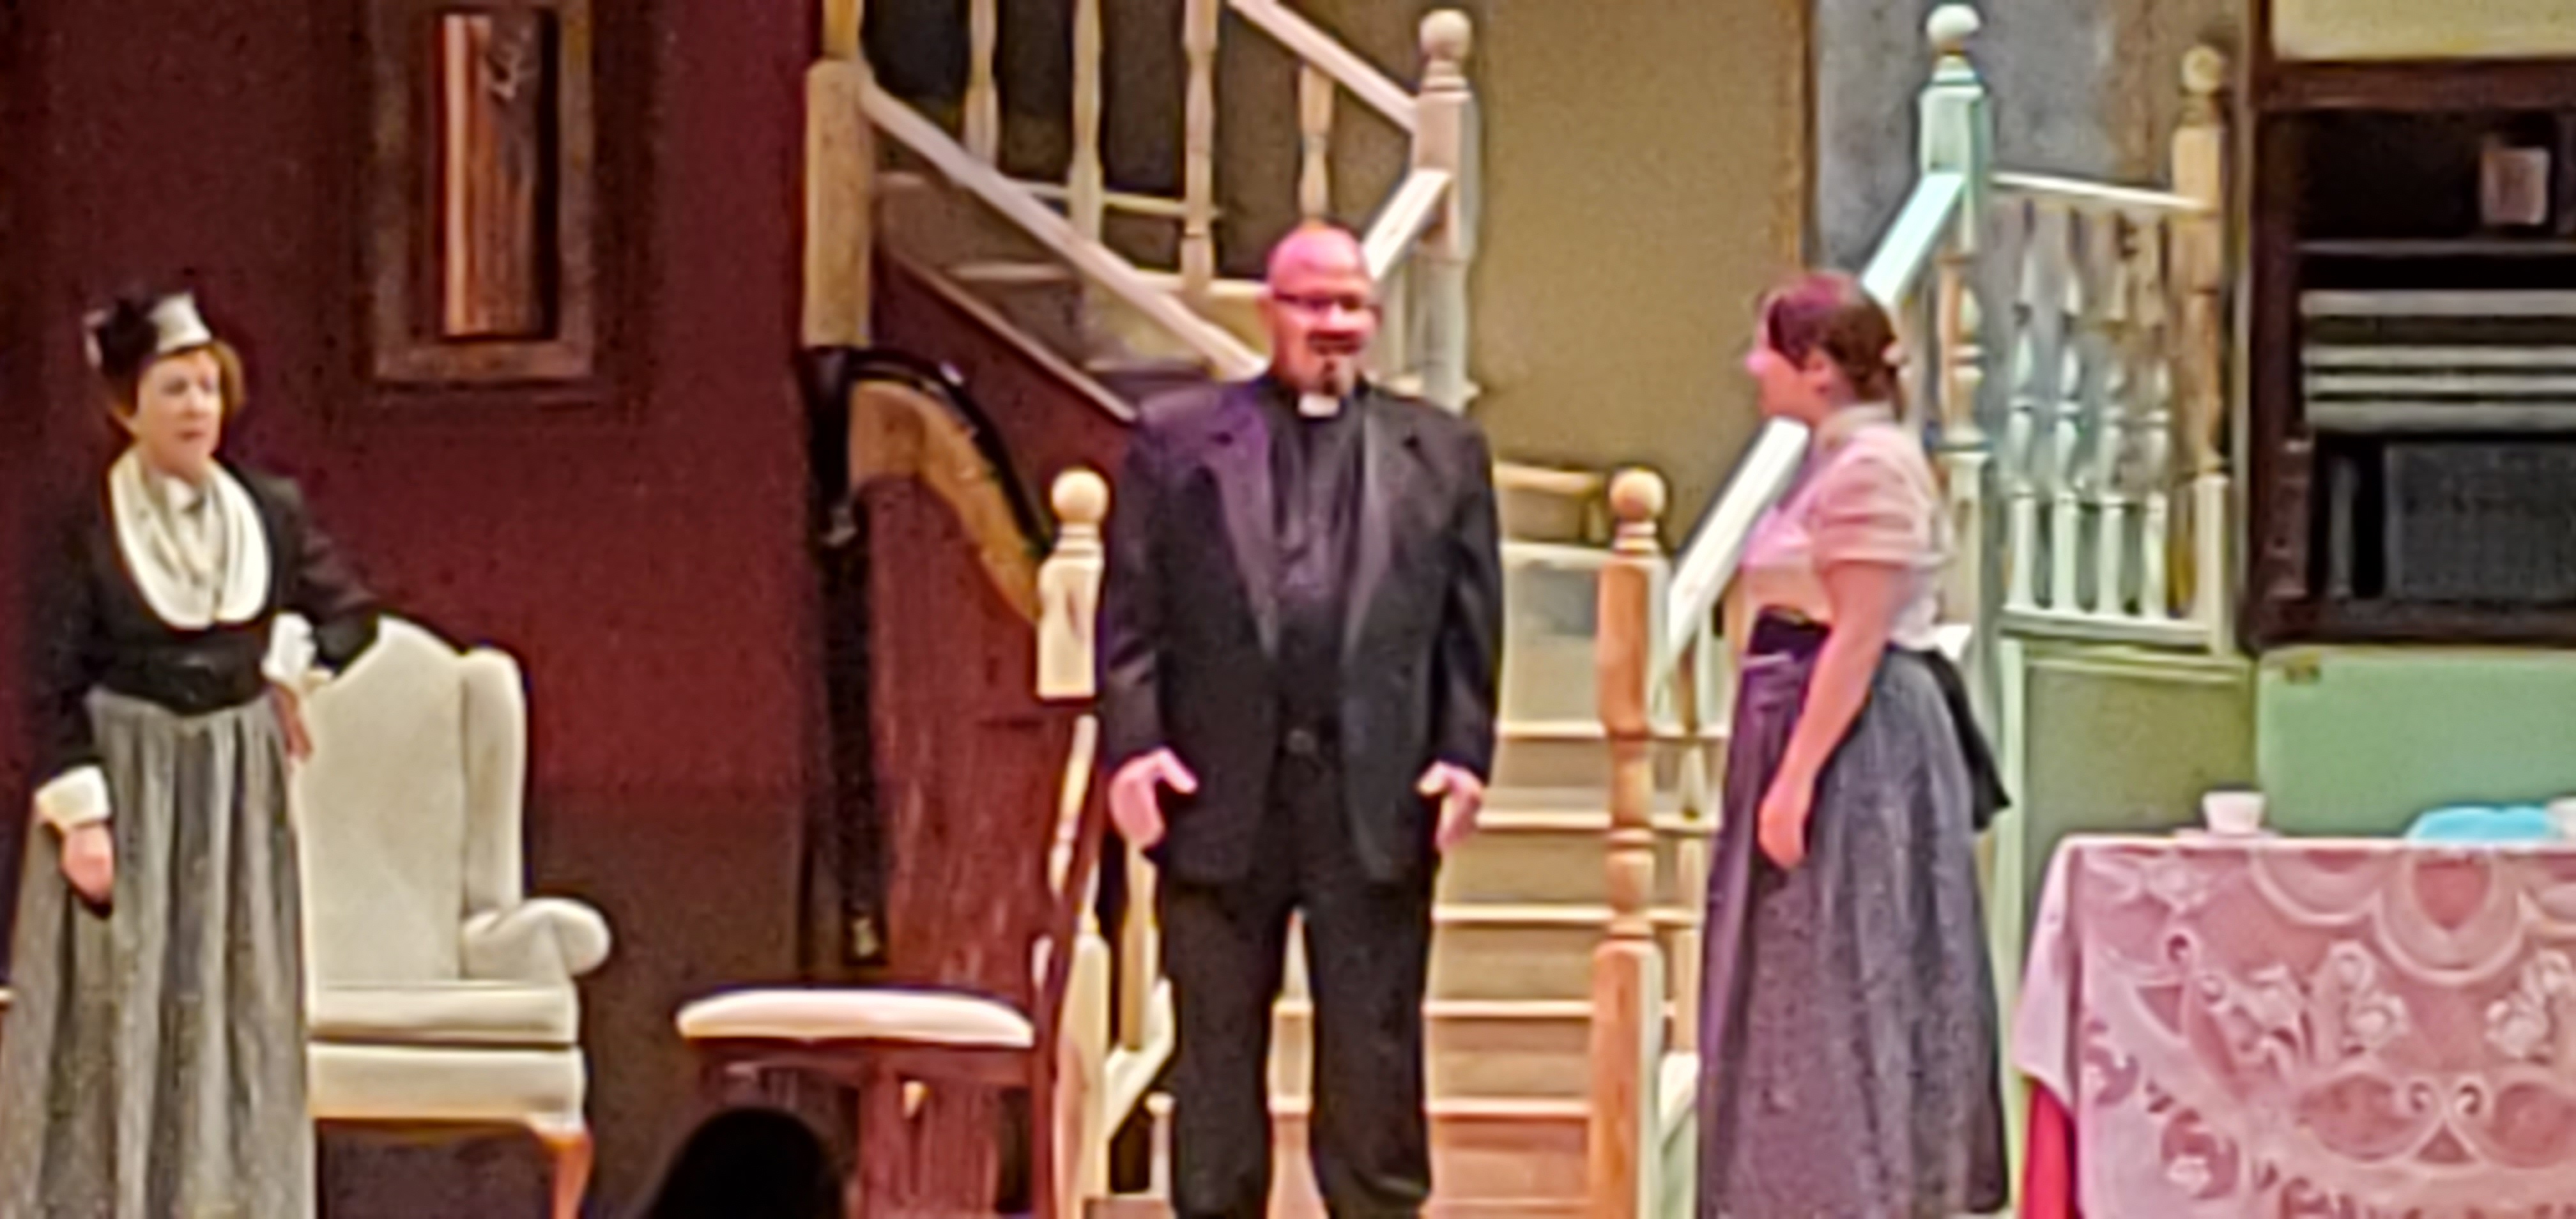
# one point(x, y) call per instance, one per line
point(928, 1062)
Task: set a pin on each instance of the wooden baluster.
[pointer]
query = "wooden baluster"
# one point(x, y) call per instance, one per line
point(840, 184)
point(1690, 851)
point(842, 22)
point(1315, 96)
point(2115, 253)
point(1198, 142)
point(983, 92)
point(2153, 417)
point(2021, 436)
point(2066, 505)
point(1087, 187)
point(2199, 167)
point(1444, 138)
point(1627, 970)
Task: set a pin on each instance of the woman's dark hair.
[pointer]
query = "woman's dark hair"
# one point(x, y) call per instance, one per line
point(749, 1164)
point(1831, 313)
point(124, 342)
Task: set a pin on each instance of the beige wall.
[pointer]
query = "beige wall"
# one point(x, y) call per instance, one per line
point(1644, 181)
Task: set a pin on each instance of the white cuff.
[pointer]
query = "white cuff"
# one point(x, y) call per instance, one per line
point(73, 799)
point(291, 654)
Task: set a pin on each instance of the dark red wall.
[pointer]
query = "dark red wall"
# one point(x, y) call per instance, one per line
point(644, 558)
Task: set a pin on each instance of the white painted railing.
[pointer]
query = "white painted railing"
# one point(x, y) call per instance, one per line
point(1420, 242)
point(2116, 500)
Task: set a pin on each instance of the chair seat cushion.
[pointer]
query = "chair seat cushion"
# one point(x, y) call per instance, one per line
point(922, 1017)
point(448, 1013)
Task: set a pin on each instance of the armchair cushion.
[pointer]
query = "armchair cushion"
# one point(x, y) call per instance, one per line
point(920, 1017)
point(450, 1013)
point(546, 939)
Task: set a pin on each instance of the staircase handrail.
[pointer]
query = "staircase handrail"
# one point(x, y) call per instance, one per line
point(2107, 195)
point(1311, 45)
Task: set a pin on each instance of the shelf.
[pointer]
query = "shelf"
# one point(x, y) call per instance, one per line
point(2409, 248)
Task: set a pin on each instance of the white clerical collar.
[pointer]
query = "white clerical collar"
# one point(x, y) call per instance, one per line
point(1318, 406)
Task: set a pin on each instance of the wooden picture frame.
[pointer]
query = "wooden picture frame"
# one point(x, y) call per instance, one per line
point(482, 252)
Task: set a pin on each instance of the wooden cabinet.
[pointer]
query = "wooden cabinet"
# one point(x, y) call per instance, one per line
point(2412, 405)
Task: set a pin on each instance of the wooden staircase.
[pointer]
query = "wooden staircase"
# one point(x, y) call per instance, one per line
point(1523, 905)
point(1118, 296)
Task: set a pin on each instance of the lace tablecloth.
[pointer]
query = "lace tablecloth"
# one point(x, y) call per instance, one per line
point(2287, 1027)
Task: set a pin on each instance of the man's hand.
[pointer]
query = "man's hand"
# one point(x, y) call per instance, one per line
point(1135, 801)
point(89, 862)
point(1462, 797)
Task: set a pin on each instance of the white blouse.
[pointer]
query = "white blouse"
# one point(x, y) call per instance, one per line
point(1867, 495)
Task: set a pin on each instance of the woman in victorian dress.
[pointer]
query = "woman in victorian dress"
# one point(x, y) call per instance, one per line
point(152, 1066)
point(1848, 1032)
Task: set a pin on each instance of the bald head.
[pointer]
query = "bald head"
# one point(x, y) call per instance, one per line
point(1318, 249)
point(1321, 309)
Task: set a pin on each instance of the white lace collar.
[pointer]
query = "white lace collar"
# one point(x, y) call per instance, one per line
point(198, 555)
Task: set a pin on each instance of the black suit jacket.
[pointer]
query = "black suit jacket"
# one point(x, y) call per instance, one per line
point(1189, 622)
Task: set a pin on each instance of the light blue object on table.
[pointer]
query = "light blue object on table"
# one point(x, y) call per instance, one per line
point(2476, 823)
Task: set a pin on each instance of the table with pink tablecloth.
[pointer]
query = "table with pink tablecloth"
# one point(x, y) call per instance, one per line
point(2288, 1027)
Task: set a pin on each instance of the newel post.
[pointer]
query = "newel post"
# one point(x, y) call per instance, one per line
point(1957, 136)
point(2200, 174)
point(1628, 968)
point(1068, 608)
point(1445, 138)
point(840, 186)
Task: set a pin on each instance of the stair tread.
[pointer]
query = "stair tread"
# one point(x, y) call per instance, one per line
point(1012, 272)
point(1534, 914)
point(1573, 810)
point(1120, 363)
point(1471, 1108)
point(1436, 1009)
point(1533, 729)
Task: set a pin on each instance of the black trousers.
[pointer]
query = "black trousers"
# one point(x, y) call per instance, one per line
point(1368, 951)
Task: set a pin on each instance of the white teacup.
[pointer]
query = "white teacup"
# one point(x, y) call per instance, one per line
point(2563, 811)
point(2232, 812)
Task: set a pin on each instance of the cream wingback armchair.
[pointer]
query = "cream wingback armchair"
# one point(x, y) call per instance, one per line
point(442, 997)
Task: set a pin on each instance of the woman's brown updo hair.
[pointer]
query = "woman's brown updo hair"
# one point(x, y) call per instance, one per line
point(124, 345)
point(1831, 313)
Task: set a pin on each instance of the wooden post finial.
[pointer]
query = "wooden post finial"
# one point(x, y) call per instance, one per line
point(1447, 38)
point(2204, 71)
point(1950, 27)
point(1081, 499)
point(1637, 496)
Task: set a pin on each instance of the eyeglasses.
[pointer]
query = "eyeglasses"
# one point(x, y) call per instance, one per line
point(1323, 304)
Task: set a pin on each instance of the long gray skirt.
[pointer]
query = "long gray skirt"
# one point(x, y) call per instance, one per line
point(1848, 1061)
point(152, 1065)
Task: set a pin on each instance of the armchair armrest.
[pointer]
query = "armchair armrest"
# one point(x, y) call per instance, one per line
point(545, 939)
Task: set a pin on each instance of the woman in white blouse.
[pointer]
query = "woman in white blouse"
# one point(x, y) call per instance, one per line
point(1848, 1030)
point(152, 1066)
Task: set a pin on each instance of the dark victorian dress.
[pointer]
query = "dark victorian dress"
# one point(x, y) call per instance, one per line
point(1848, 1038)
point(153, 1064)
